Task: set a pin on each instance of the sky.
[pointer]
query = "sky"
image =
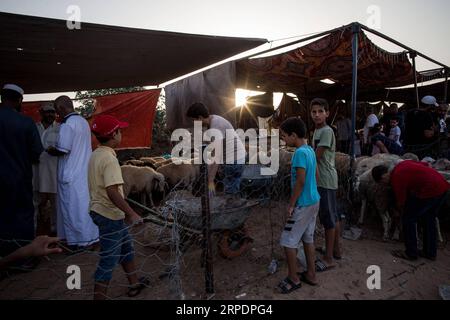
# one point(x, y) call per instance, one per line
point(422, 25)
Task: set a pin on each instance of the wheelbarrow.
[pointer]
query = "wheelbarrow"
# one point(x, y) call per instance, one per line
point(226, 219)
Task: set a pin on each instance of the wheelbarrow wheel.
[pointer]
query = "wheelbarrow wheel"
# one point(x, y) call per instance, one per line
point(234, 243)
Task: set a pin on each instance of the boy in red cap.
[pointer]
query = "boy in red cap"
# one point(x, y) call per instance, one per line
point(109, 210)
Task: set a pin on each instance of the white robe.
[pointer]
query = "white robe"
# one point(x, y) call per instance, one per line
point(74, 222)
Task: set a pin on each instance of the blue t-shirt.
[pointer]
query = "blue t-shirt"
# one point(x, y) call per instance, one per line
point(304, 157)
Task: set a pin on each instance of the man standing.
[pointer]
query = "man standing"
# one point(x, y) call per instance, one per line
point(20, 147)
point(419, 192)
point(74, 149)
point(45, 180)
point(232, 154)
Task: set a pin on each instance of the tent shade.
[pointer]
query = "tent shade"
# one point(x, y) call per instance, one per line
point(136, 108)
point(329, 57)
point(42, 55)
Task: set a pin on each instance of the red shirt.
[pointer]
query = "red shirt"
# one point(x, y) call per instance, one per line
point(417, 179)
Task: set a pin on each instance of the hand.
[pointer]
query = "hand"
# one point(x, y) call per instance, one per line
point(41, 246)
point(133, 219)
point(290, 211)
point(211, 189)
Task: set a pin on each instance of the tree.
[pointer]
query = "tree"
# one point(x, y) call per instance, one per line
point(160, 134)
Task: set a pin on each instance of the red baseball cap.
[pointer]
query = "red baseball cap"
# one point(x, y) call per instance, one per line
point(105, 125)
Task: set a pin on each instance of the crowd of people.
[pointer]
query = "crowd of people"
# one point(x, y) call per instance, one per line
point(52, 165)
point(423, 131)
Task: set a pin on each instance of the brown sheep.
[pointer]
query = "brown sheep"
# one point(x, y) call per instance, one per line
point(142, 180)
point(176, 174)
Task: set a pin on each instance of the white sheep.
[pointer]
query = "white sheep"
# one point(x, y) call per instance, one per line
point(377, 160)
point(378, 196)
point(142, 180)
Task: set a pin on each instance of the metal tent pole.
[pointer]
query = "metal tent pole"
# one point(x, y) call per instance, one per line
point(446, 86)
point(413, 56)
point(356, 29)
point(207, 260)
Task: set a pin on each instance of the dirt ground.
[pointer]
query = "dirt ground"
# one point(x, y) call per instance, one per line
point(245, 277)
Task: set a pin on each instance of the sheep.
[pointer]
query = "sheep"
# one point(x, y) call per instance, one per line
point(410, 156)
point(379, 159)
point(143, 180)
point(136, 163)
point(379, 196)
point(441, 165)
point(184, 173)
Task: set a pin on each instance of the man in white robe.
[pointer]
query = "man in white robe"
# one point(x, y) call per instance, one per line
point(74, 148)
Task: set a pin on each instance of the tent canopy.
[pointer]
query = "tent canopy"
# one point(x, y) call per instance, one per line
point(330, 57)
point(42, 55)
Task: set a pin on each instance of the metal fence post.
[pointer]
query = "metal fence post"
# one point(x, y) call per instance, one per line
point(207, 260)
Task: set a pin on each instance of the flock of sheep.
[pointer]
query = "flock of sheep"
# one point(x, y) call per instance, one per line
point(150, 175)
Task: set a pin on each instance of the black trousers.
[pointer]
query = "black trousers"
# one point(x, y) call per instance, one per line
point(423, 211)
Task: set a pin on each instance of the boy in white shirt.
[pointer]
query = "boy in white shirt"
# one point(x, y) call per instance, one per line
point(395, 132)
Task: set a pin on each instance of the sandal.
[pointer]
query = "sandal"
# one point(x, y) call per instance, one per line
point(136, 289)
point(322, 267)
point(402, 255)
point(304, 279)
point(287, 286)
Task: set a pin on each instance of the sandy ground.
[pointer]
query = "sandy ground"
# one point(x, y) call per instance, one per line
point(246, 277)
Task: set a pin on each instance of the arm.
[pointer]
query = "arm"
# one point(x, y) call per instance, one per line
point(382, 147)
point(35, 144)
point(298, 189)
point(117, 199)
point(319, 153)
point(212, 171)
point(38, 248)
point(55, 152)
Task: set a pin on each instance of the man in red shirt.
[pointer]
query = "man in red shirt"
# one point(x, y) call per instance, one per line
point(419, 192)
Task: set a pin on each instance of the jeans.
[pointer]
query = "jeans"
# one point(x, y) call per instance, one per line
point(116, 246)
point(424, 211)
point(232, 179)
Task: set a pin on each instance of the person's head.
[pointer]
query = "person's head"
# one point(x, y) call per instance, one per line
point(375, 129)
point(12, 96)
point(48, 113)
point(292, 131)
point(369, 110)
point(393, 108)
point(198, 112)
point(320, 111)
point(394, 122)
point(63, 106)
point(443, 109)
point(429, 102)
point(381, 174)
point(106, 129)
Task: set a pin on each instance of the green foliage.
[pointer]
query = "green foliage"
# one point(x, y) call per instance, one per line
point(161, 136)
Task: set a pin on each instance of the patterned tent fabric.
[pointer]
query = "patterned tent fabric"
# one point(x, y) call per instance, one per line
point(327, 58)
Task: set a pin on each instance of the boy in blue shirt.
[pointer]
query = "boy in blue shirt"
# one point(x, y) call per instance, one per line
point(303, 206)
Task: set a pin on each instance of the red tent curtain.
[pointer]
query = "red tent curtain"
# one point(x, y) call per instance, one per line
point(31, 109)
point(136, 108)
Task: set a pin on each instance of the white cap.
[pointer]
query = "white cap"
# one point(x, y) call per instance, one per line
point(430, 100)
point(14, 87)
